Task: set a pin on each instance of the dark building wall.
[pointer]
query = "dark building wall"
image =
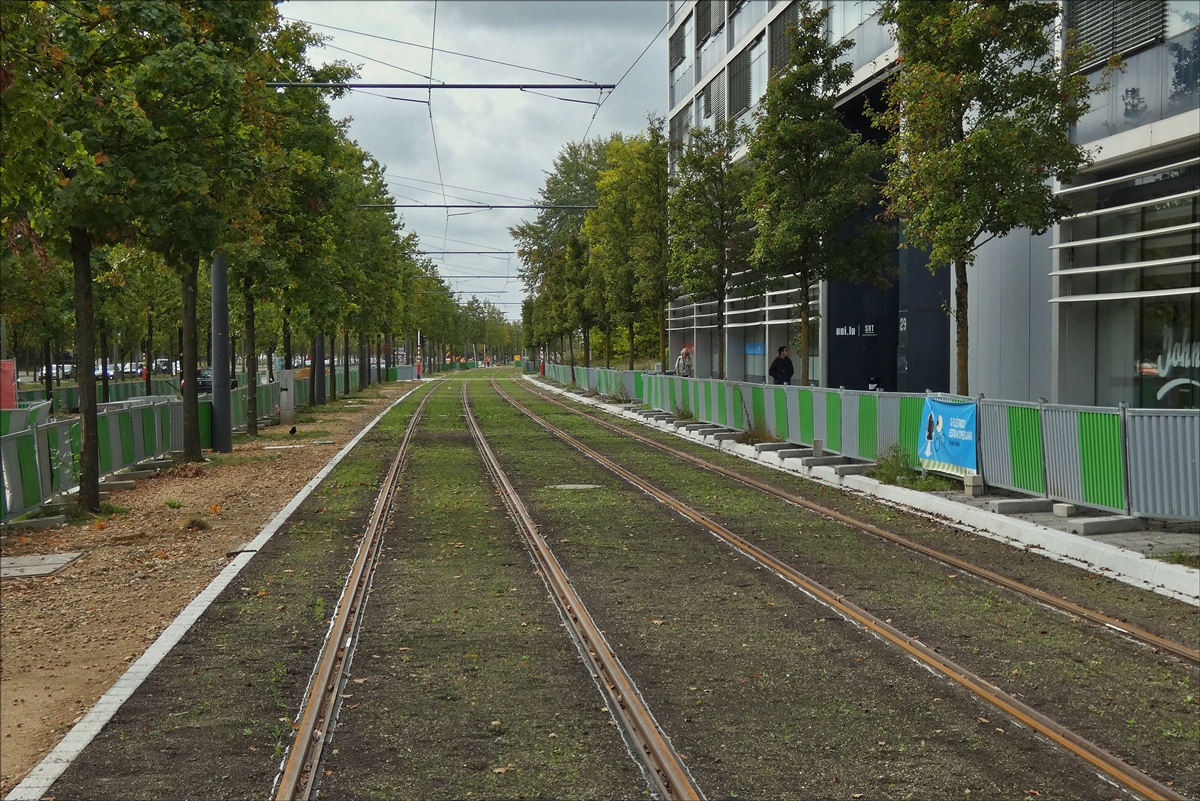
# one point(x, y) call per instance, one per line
point(923, 347)
point(861, 332)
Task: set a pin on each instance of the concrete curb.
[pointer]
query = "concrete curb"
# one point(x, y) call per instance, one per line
point(1174, 581)
point(45, 773)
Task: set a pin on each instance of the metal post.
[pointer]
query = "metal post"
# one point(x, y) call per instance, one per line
point(222, 415)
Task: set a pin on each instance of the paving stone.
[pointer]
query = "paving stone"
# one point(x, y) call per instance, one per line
point(38, 523)
point(823, 461)
point(1116, 524)
point(36, 565)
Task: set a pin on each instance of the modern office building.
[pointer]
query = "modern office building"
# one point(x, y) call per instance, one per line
point(1103, 309)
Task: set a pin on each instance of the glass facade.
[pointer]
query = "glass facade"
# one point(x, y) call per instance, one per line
point(744, 18)
point(1157, 83)
point(1134, 249)
point(858, 20)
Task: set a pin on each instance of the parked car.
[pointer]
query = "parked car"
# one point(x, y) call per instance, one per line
point(68, 371)
point(204, 381)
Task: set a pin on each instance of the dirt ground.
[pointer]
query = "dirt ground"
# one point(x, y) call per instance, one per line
point(64, 639)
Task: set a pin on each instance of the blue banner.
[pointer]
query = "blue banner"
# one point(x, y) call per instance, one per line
point(948, 438)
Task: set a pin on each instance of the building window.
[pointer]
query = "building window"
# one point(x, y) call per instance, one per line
point(739, 83)
point(782, 28)
point(710, 104)
point(742, 19)
point(1116, 26)
point(680, 52)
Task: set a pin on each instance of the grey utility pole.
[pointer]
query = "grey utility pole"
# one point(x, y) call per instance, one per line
point(222, 416)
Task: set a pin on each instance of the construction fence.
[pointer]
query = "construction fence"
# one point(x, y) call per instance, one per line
point(1141, 462)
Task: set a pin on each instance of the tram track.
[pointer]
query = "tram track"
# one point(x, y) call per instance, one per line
point(1099, 619)
point(1112, 767)
point(663, 765)
point(301, 769)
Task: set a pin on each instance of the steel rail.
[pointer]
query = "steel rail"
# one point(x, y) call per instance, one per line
point(1146, 638)
point(300, 771)
point(664, 766)
point(1097, 757)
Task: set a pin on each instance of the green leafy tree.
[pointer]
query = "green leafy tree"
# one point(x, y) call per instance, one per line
point(813, 176)
point(979, 118)
point(710, 235)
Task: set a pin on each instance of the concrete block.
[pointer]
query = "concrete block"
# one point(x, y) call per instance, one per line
point(972, 480)
point(157, 464)
point(794, 453)
point(1065, 510)
point(853, 469)
point(105, 496)
point(1116, 524)
point(1016, 506)
point(818, 447)
point(701, 427)
point(973, 490)
point(38, 523)
point(766, 447)
point(724, 436)
point(823, 461)
point(115, 484)
point(134, 475)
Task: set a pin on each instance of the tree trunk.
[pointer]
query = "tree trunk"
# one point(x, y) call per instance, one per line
point(587, 345)
point(48, 367)
point(804, 340)
point(631, 347)
point(104, 362)
point(85, 360)
point(251, 361)
point(149, 352)
point(379, 358)
point(571, 345)
point(364, 363)
point(317, 369)
point(189, 365)
point(960, 319)
point(287, 339)
point(271, 366)
point(333, 366)
point(346, 361)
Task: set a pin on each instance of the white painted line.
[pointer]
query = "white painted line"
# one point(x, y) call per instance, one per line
point(38, 781)
point(1133, 568)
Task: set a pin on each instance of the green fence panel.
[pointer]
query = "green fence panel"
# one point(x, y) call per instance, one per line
point(910, 427)
point(125, 424)
point(833, 421)
point(781, 413)
point(739, 408)
point(805, 399)
point(164, 423)
point(868, 427)
point(149, 436)
point(758, 408)
point(671, 394)
point(1101, 460)
point(639, 385)
point(1025, 448)
point(722, 403)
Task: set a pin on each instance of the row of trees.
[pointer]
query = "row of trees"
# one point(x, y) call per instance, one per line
point(139, 138)
point(977, 121)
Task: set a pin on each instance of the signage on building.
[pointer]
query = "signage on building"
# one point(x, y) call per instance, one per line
point(846, 331)
point(947, 440)
point(1184, 355)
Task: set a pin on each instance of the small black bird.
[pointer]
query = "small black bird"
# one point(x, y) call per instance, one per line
point(293, 431)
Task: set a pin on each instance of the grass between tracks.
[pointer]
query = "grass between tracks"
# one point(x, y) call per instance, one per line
point(464, 682)
point(213, 719)
point(1116, 693)
point(768, 694)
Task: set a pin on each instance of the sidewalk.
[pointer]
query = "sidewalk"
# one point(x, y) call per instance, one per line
point(1123, 556)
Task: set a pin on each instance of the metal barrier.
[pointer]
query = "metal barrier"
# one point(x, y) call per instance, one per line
point(1144, 462)
point(1163, 447)
point(27, 415)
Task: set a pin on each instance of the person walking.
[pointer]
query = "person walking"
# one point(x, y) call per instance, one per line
point(683, 365)
point(781, 369)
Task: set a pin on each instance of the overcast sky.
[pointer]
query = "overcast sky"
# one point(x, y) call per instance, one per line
point(497, 141)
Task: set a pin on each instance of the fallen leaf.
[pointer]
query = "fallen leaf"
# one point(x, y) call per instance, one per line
point(1032, 791)
point(658, 621)
point(215, 508)
point(504, 768)
point(984, 720)
point(262, 594)
point(359, 681)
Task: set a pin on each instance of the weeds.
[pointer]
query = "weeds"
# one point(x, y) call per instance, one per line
point(1184, 558)
point(894, 466)
point(755, 434)
point(173, 503)
point(682, 413)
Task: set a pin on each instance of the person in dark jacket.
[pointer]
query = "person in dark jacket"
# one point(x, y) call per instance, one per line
point(781, 369)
